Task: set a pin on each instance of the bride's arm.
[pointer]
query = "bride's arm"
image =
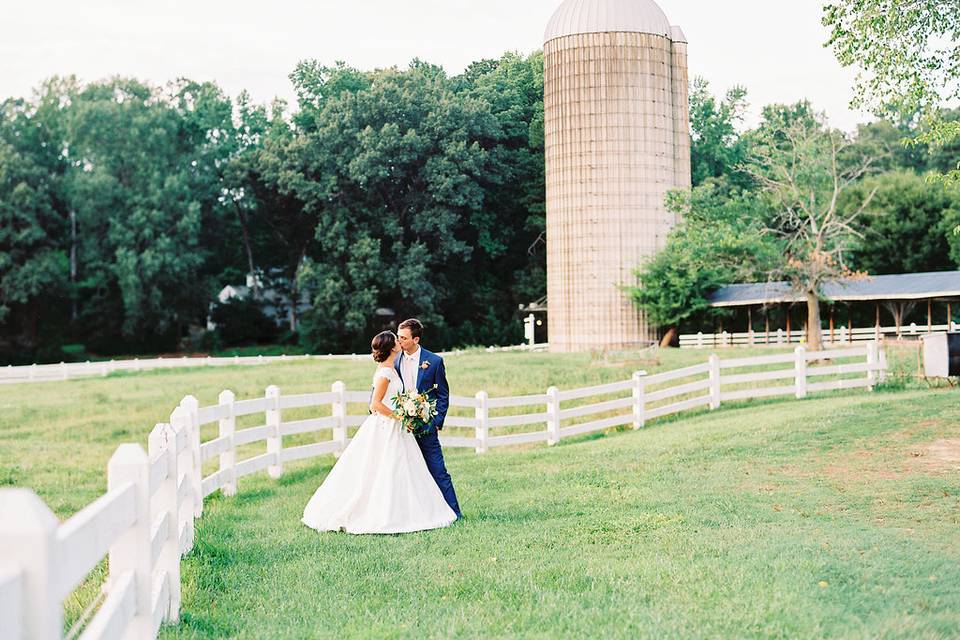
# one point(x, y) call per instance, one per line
point(376, 403)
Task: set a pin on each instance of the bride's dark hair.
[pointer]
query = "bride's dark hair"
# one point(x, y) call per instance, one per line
point(382, 345)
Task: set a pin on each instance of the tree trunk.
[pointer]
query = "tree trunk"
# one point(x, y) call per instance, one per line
point(813, 322)
point(249, 250)
point(295, 290)
point(668, 337)
point(73, 264)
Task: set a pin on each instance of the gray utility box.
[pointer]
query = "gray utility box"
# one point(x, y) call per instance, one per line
point(941, 355)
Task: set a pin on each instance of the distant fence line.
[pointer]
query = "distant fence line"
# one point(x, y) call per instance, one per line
point(839, 335)
point(145, 521)
point(66, 370)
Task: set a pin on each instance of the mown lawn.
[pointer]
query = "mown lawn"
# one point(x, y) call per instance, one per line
point(820, 518)
point(829, 517)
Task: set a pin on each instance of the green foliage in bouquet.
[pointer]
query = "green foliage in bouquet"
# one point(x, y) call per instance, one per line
point(415, 411)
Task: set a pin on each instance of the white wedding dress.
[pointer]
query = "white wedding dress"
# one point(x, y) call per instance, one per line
point(381, 483)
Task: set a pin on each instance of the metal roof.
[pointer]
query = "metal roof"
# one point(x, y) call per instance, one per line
point(901, 286)
point(598, 16)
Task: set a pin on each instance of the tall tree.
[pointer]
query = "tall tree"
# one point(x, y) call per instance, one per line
point(140, 195)
point(716, 146)
point(805, 168)
point(34, 264)
point(411, 179)
point(513, 184)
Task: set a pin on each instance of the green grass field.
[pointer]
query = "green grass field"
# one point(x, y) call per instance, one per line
point(829, 517)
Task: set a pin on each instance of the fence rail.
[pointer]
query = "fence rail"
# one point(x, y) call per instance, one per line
point(55, 372)
point(145, 521)
point(840, 335)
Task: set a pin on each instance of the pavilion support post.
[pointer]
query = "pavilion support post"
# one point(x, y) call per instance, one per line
point(788, 324)
point(750, 324)
point(877, 325)
point(766, 319)
point(929, 316)
point(849, 324)
point(831, 324)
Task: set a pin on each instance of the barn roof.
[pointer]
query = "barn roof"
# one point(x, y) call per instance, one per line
point(900, 286)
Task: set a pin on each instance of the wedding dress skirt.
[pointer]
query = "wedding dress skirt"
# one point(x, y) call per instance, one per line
point(380, 484)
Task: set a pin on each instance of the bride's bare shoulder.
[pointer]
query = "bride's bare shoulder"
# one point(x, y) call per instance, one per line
point(384, 371)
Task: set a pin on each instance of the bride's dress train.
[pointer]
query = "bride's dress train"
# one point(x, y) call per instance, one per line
point(381, 483)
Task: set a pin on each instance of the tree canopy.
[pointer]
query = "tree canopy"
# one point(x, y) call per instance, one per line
point(126, 207)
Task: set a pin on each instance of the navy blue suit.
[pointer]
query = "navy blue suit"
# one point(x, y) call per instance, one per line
point(432, 379)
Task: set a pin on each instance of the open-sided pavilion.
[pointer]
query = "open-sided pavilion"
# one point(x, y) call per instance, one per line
point(903, 295)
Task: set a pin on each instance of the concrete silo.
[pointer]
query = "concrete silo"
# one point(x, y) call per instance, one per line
point(617, 139)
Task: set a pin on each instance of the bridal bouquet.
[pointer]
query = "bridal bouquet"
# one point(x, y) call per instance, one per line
point(414, 411)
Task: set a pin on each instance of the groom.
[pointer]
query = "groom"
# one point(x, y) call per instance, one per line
point(422, 370)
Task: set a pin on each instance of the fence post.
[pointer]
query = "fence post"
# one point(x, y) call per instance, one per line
point(274, 440)
point(882, 365)
point(163, 441)
point(132, 550)
point(872, 360)
point(714, 363)
point(340, 414)
point(193, 406)
point(64, 372)
point(482, 416)
point(28, 531)
point(553, 416)
point(800, 368)
point(639, 403)
point(779, 336)
point(700, 339)
point(180, 421)
point(228, 459)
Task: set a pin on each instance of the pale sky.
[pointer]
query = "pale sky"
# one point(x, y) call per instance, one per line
point(772, 47)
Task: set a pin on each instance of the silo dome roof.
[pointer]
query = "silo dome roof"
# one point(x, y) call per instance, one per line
point(597, 16)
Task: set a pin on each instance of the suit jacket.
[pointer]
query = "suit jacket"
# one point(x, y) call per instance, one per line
point(432, 378)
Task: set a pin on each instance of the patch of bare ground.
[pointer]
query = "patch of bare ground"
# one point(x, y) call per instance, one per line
point(942, 455)
point(929, 446)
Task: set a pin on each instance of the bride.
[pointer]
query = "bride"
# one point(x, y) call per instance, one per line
point(381, 483)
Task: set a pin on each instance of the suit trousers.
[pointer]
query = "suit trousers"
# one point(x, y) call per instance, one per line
point(433, 456)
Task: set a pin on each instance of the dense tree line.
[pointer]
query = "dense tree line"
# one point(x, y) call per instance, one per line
point(125, 207)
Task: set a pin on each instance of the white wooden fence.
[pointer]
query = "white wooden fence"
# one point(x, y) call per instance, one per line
point(841, 335)
point(144, 523)
point(67, 370)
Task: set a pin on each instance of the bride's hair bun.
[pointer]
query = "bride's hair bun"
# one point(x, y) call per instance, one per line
point(382, 345)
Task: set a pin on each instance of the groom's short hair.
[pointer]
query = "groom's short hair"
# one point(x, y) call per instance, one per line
point(415, 327)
